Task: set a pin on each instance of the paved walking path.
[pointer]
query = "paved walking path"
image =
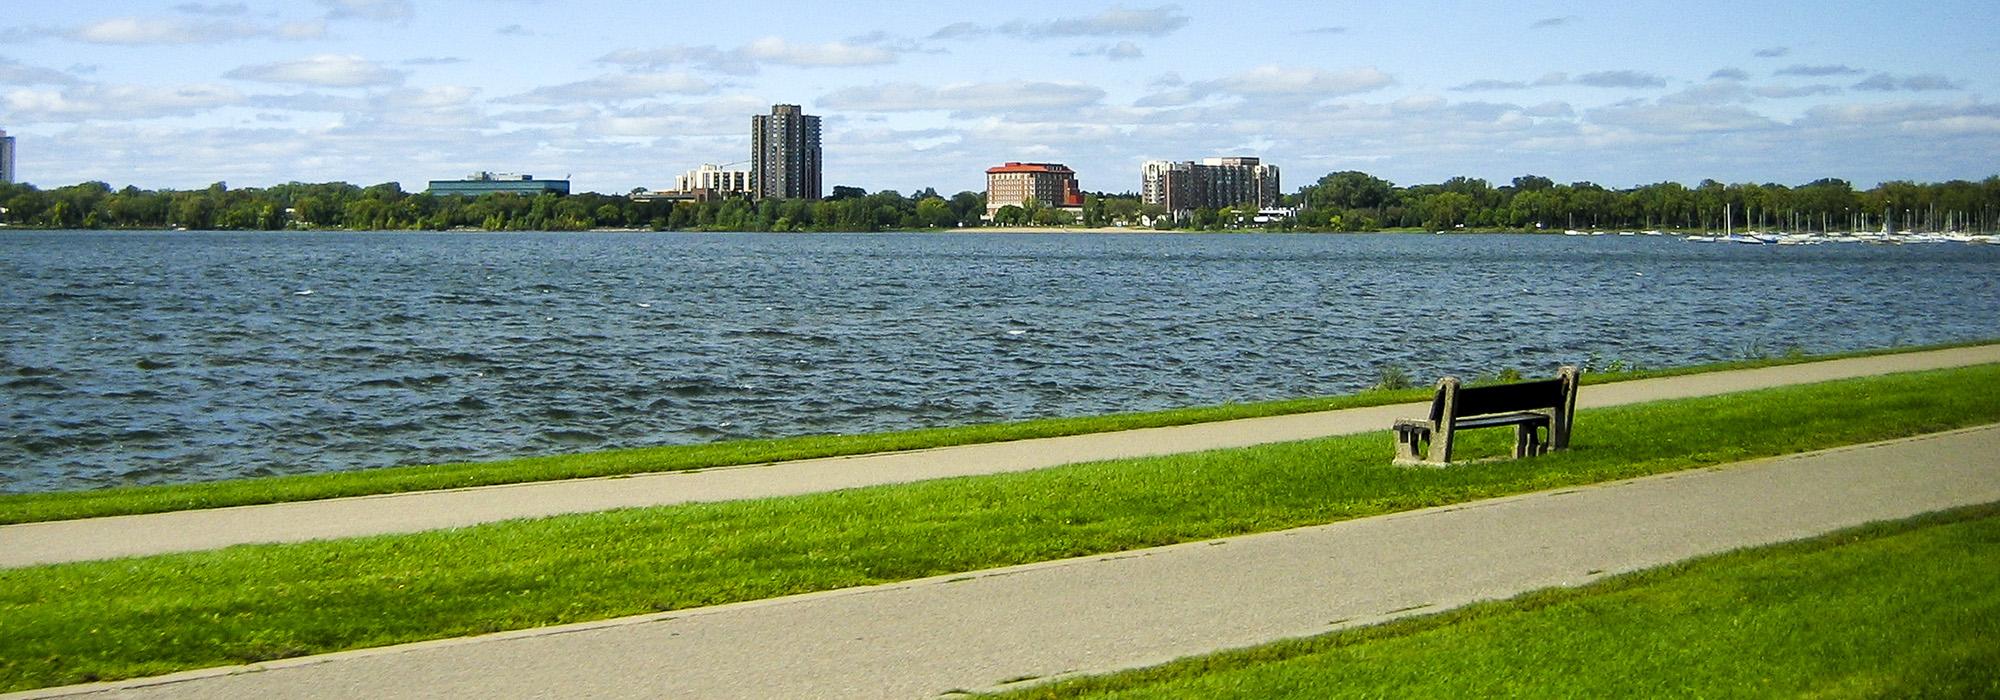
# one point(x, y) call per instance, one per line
point(103, 538)
point(981, 630)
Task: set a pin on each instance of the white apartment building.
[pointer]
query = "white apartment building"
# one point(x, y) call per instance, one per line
point(712, 178)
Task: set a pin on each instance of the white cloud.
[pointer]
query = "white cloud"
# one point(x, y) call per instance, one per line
point(12, 72)
point(961, 30)
point(376, 10)
point(1620, 79)
point(118, 102)
point(1490, 85)
point(436, 97)
point(1117, 21)
point(1418, 103)
point(1604, 79)
point(744, 60)
point(1040, 136)
point(1714, 92)
point(644, 127)
point(891, 42)
point(310, 102)
point(300, 31)
point(554, 115)
point(1884, 82)
point(1873, 114)
point(1559, 110)
point(176, 30)
point(324, 70)
point(964, 97)
point(1819, 71)
point(1121, 51)
point(1779, 92)
point(1305, 82)
point(707, 57)
point(215, 10)
point(447, 107)
point(141, 30)
point(616, 88)
point(776, 50)
point(1667, 118)
point(723, 116)
point(1978, 124)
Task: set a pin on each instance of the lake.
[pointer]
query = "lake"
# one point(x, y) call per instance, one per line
point(169, 357)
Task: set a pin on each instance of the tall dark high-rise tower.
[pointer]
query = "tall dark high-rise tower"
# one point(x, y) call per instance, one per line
point(6, 157)
point(784, 153)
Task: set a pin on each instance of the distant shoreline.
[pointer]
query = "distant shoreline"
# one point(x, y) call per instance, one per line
point(1111, 231)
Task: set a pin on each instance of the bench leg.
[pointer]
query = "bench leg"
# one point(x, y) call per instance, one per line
point(1441, 447)
point(1527, 441)
point(1408, 439)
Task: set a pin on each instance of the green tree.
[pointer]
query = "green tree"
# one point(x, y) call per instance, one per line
point(1444, 211)
point(934, 212)
point(1010, 215)
point(1352, 190)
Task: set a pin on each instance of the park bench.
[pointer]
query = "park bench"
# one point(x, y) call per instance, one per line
point(1530, 407)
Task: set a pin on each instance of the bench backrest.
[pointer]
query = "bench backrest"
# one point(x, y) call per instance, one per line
point(1501, 398)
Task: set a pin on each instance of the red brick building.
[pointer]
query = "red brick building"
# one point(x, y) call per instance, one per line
point(1051, 184)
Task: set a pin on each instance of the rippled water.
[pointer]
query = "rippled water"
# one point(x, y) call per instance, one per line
point(145, 358)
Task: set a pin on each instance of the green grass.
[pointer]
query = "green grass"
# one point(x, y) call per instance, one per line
point(1904, 609)
point(38, 507)
point(113, 619)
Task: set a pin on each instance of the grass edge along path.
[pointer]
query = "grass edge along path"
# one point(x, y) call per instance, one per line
point(1902, 608)
point(135, 500)
point(71, 623)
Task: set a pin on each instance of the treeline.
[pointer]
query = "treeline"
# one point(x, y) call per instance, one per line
point(1355, 201)
point(1343, 201)
point(95, 205)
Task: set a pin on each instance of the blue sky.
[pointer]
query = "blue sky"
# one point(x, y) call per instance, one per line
point(618, 95)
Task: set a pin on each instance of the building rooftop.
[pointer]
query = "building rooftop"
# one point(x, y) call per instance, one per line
point(1012, 167)
point(487, 176)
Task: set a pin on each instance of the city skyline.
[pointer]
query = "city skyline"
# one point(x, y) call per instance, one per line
point(181, 94)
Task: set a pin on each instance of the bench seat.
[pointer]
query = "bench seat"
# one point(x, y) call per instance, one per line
point(1497, 420)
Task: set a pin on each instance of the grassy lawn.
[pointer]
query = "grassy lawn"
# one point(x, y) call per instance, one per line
point(36, 507)
point(112, 619)
point(1906, 609)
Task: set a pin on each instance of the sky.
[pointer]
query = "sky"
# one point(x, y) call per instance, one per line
point(623, 95)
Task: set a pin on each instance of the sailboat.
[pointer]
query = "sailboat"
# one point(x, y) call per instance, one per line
point(1729, 235)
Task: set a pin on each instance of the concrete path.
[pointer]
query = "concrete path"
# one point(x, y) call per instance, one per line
point(104, 538)
point(986, 629)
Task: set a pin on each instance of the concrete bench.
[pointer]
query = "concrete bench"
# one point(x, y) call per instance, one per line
point(1530, 407)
